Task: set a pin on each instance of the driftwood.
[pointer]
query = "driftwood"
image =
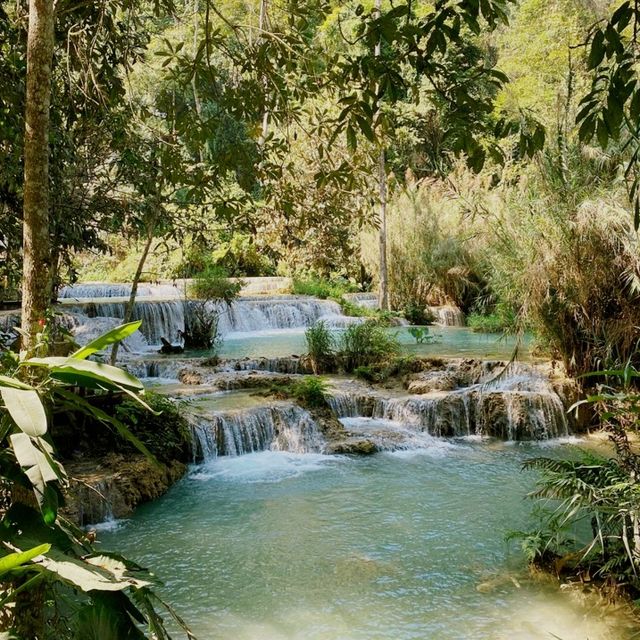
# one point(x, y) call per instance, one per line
point(169, 348)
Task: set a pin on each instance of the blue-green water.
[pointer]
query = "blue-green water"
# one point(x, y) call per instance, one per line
point(459, 342)
point(277, 546)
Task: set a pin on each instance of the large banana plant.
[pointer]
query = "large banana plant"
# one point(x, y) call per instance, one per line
point(111, 598)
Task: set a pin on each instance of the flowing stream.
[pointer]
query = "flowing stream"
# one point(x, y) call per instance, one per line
point(273, 538)
point(399, 546)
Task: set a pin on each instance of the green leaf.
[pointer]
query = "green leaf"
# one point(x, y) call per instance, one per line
point(596, 54)
point(352, 142)
point(35, 464)
point(91, 575)
point(587, 129)
point(602, 134)
point(80, 370)
point(115, 335)
point(6, 381)
point(14, 560)
point(26, 409)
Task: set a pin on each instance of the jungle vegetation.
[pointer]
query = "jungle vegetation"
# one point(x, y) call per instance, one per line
point(489, 147)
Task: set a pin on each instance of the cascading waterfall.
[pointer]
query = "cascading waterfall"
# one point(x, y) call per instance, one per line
point(448, 316)
point(520, 405)
point(160, 318)
point(278, 427)
point(366, 300)
point(100, 290)
point(260, 314)
point(166, 318)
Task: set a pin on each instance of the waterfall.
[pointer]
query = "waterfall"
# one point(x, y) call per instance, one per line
point(100, 290)
point(448, 316)
point(518, 405)
point(366, 300)
point(278, 427)
point(166, 318)
point(86, 329)
point(259, 314)
point(160, 318)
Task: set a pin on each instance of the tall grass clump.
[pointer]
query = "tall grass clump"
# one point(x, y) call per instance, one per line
point(569, 259)
point(320, 347)
point(432, 248)
point(367, 344)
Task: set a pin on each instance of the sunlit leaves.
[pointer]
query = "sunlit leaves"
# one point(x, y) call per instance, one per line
point(611, 109)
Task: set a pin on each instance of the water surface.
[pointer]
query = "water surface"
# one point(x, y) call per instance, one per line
point(457, 342)
point(402, 546)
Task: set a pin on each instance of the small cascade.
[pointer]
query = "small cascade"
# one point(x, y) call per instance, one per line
point(291, 365)
point(94, 501)
point(160, 318)
point(448, 316)
point(100, 290)
point(166, 368)
point(278, 427)
point(86, 329)
point(263, 314)
point(518, 405)
point(366, 300)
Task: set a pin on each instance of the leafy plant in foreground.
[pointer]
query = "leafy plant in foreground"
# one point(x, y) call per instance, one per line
point(595, 499)
point(53, 582)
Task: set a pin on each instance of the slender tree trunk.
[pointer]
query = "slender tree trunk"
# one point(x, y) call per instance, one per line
point(383, 293)
point(128, 312)
point(262, 25)
point(36, 279)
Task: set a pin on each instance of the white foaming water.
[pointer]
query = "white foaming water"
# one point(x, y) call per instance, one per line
point(448, 316)
point(392, 436)
point(519, 405)
point(263, 466)
point(279, 427)
point(110, 524)
point(165, 318)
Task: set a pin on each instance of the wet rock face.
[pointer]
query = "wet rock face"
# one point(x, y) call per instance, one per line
point(354, 446)
point(428, 381)
point(115, 486)
point(190, 376)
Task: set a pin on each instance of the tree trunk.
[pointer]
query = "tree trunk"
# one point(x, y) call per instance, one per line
point(128, 313)
point(262, 25)
point(36, 278)
point(383, 293)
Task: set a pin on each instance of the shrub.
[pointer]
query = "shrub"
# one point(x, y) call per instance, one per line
point(166, 432)
point(320, 346)
point(502, 319)
point(418, 314)
point(209, 294)
point(318, 288)
point(367, 344)
point(310, 391)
